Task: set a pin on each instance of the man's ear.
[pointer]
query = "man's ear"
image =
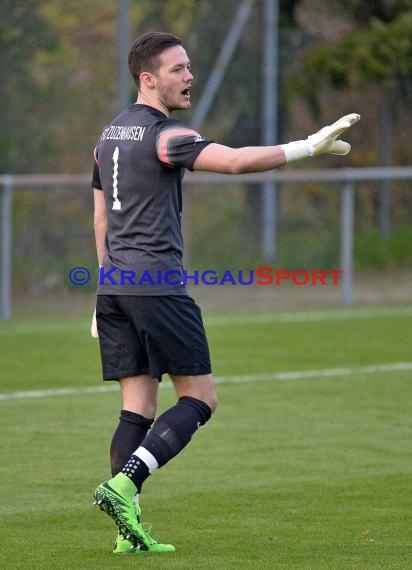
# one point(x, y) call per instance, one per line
point(147, 79)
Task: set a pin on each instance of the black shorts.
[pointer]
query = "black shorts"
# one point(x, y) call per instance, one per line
point(151, 335)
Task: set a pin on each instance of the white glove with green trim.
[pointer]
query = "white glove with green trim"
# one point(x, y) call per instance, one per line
point(322, 142)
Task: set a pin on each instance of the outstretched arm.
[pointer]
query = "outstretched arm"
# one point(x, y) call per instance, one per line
point(227, 160)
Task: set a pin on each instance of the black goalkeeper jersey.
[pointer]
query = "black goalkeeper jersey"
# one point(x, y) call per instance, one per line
point(139, 165)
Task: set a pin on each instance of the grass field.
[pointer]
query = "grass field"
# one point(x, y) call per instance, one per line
point(306, 464)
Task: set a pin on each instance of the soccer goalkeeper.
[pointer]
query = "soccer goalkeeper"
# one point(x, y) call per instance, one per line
point(146, 330)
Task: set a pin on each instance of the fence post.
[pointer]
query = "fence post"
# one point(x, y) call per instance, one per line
point(346, 240)
point(270, 68)
point(6, 229)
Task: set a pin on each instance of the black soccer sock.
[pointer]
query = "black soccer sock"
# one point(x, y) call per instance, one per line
point(130, 433)
point(171, 432)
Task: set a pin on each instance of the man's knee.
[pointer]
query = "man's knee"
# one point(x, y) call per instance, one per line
point(213, 402)
point(200, 387)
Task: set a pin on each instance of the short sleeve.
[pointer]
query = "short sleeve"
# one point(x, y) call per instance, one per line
point(178, 145)
point(96, 182)
point(96, 178)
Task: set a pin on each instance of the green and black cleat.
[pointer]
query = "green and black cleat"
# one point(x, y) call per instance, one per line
point(116, 498)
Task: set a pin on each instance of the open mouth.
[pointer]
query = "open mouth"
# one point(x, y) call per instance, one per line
point(186, 92)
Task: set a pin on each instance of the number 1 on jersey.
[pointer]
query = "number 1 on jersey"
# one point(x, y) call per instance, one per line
point(117, 205)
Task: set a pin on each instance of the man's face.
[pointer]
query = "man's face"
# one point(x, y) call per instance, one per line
point(173, 79)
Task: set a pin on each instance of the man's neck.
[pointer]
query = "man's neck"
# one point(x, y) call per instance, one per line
point(143, 99)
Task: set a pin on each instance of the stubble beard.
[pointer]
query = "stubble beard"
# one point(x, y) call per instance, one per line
point(172, 103)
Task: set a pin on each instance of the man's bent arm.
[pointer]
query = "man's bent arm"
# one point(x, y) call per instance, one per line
point(100, 224)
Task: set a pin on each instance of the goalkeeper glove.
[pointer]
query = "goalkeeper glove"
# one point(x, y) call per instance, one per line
point(93, 329)
point(322, 142)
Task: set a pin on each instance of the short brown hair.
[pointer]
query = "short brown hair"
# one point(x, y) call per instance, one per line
point(145, 51)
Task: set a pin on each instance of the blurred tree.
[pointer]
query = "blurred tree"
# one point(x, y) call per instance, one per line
point(362, 46)
point(371, 45)
point(24, 146)
point(79, 77)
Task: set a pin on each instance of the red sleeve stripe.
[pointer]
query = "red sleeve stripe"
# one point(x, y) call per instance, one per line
point(164, 138)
